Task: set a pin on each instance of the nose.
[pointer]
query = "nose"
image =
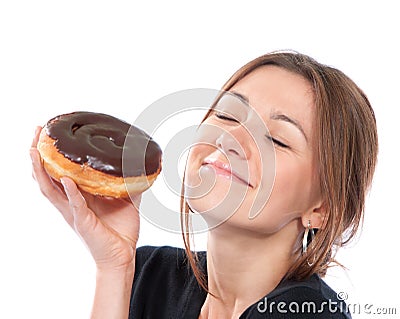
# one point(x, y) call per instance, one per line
point(232, 142)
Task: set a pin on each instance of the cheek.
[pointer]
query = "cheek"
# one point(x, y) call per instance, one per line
point(291, 190)
point(202, 145)
point(215, 198)
point(287, 201)
point(199, 181)
point(195, 159)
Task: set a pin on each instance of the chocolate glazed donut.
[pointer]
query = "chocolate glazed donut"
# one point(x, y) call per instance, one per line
point(94, 142)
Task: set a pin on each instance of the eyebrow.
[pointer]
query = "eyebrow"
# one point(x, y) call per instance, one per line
point(274, 116)
point(240, 97)
point(285, 118)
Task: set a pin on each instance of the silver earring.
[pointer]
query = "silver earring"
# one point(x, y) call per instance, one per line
point(308, 230)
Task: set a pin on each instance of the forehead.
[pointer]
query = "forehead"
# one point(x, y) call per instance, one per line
point(272, 89)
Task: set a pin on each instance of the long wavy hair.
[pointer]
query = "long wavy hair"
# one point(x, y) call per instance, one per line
point(347, 148)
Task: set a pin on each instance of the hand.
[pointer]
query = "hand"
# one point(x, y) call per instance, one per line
point(109, 227)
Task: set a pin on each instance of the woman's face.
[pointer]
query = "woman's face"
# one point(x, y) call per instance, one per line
point(253, 163)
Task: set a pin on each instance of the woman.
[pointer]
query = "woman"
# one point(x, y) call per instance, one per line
point(298, 143)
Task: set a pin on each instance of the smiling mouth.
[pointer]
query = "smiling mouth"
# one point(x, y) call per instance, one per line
point(224, 169)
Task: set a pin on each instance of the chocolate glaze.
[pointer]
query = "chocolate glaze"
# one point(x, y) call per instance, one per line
point(98, 140)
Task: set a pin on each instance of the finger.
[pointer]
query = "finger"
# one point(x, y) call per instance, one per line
point(44, 180)
point(48, 188)
point(85, 220)
point(86, 223)
point(34, 144)
point(36, 136)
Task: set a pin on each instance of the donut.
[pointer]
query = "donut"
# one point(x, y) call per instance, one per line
point(103, 155)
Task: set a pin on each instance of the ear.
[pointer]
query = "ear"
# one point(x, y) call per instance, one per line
point(316, 217)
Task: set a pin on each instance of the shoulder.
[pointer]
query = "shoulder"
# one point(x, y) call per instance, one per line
point(313, 285)
point(160, 260)
point(146, 254)
point(311, 298)
point(163, 277)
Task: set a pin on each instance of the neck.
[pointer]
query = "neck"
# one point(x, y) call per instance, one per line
point(242, 268)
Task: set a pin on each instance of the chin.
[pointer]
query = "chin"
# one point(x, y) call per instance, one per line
point(206, 201)
point(218, 206)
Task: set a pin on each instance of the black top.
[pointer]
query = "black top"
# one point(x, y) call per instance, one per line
point(165, 287)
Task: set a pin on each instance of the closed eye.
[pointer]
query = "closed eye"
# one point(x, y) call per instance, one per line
point(224, 117)
point(277, 142)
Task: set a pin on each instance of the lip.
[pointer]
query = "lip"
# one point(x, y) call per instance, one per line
point(224, 169)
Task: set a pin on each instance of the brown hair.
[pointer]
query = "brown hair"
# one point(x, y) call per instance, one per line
point(347, 147)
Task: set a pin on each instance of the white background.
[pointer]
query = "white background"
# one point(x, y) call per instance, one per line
point(118, 57)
